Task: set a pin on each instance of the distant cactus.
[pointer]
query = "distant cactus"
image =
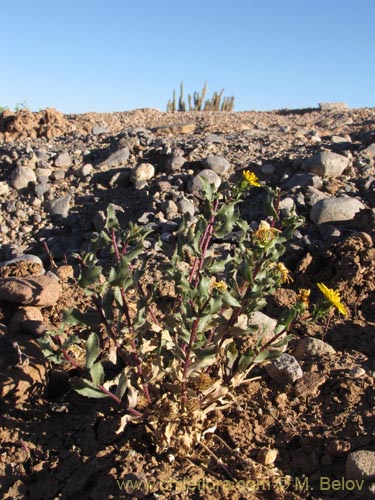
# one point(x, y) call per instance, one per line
point(227, 104)
point(181, 102)
point(171, 106)
point(214, 103)
point(197, 103)
point(198, 99)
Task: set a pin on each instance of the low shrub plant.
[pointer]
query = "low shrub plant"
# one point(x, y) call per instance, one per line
point(172, 370)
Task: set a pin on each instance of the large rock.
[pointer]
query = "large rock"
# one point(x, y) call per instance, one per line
point(63, 160)
point(326, 163)
point(142, 173)
point(176, 163)
point(42, 291)
point(21, 177)
point(59, 206)
point(21, 266)
point(218, 164)
point(262, 325)
point(22, 258)
point(284, 369)
point(198, 182)
point(335, 209)
point(309, 347)
point(117, 159)
point(28, 320)
point(184, 205)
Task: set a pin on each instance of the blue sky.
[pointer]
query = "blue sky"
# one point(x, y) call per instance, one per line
point(118, 55)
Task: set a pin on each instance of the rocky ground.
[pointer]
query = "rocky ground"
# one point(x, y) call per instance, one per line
point(310, 436)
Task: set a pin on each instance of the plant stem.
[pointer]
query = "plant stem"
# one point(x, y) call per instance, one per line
point(150, 310)
point(111, 331)
point(203, 245)
point(125, 309)
point(100, 387)
point(132, 411)
point(187, 363)
point(138, 365)
point(114, 244)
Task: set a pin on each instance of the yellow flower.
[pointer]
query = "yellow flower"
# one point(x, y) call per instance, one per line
point(284, 271)
point(303, 296)
point(333, 297)
point(265, 233)
point(251, 178)
point(220, 285)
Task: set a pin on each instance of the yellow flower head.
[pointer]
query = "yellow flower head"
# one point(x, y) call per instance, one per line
point(265, 233)
point(220, 285)
point(284, 271)
point(333, 297)
point(303, 296)
point(251, 178)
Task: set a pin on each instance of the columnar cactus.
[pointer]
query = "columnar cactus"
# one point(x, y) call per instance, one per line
point(197, 103)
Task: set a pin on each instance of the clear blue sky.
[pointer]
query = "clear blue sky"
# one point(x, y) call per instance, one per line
point(117, 55)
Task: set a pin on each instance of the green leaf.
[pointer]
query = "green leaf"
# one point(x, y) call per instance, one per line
point(100, 242)
point(120, 272)
point(204, 285)
point(74, 317)
point(215, 304)
point(122, 385)
point(86, 388)
point(269, 203)
point(206, 352)
point(97, 373)
point(107, 304)
point(92, 350)
point(112, 221)
point(133, 252)
point(282, 342)
point(229, 300)
point(117, 296)
point(285, 319)
point(49, 353)
point(232, 354)
point(72, 339)
point(246, 359)
point(200, 364)
point(225, 219)
point(266, 355)
point(89, 275)
point(203, 322)
point(243, 225)
point(218, 266)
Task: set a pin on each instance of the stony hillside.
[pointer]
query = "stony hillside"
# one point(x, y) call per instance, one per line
point(58, 175)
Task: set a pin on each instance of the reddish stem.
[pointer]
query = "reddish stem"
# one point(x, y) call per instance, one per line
point(204, 244)
point(114, 244)
point(65, 353)
point(125, 309)
point(100, 387)
point(111, 331)
point(134, 412)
